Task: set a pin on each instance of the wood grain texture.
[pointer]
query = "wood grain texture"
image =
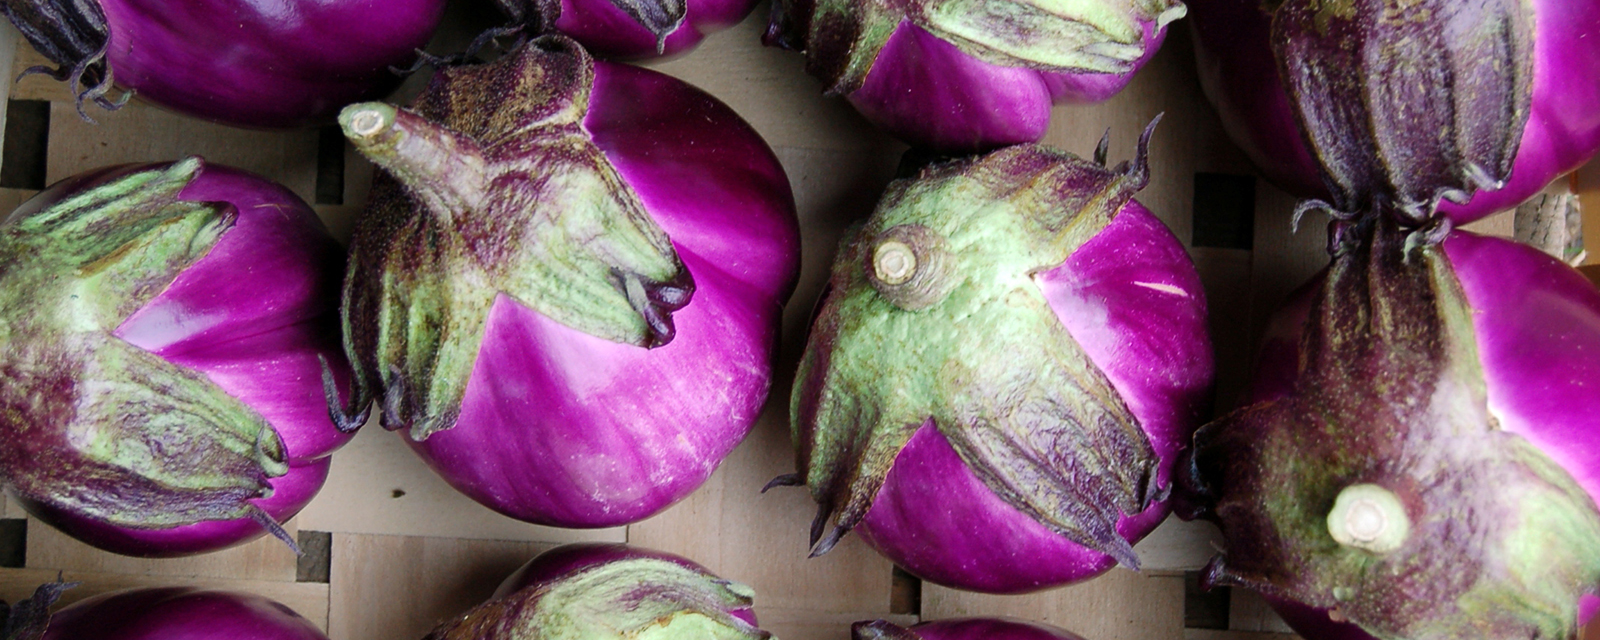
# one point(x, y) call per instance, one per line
point(1120, 605)
point(400, 587)
point(310, 600)
point(1586, 183)
point(262, 559)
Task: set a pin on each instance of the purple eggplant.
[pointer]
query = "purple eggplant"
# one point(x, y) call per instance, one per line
point(162, 613)
point(960, 629)
point(519, 293)
point(277, 64)
point(1419, 459)
point(629, 29)
point(1009, 358)
point(610, 591)
point(961, 76)
point(1525, 117)
point(167, 328)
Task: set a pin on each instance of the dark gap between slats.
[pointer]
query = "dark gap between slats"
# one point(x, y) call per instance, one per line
point(905, 594)
point(330, 166)
point(1204, 609)
point(316, 548)
point(13, 543)
point(1224, 211)
point(22, 161)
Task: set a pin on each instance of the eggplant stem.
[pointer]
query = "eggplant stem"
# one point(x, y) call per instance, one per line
point(1369, 517)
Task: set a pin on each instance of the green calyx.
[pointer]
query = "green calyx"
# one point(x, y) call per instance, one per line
point(842, 38)
point(491, 187)
point(89, 423)
point(1408, 103)
point(634, 599)
point(923, 297)
point(1382, 488)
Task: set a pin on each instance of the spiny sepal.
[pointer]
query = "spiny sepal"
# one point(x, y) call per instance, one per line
point(1498, 541)
point(73, 35)
point(843, 38)
point(1408, 103)
point(1042, 427)
point(631, 599)
point(90, 424)
point(29, 618)
point(492, 187)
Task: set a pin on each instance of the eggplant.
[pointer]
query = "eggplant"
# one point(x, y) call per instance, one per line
point(566, 288)
point(1010, 355)
point(167, 333)
point(270, 65)
point(628, 29)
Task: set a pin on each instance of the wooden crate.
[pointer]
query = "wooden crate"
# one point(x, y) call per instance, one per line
point(392, 550)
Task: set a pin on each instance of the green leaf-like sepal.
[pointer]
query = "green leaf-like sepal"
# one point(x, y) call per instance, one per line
point(842, 38)
point(1041, 426)
point(1407, 103)
point(1495, 539)
point(632, 599)
point(492, 187)
point(91, 424)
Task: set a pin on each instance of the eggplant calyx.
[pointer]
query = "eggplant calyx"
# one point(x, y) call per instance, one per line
point(491, 188)
point(936, 283)
point(881, 630)
point(73, 35)
point(843, 38)
point(1410, 104)
point(29, 618)
point(633, 599)
point(94, 425)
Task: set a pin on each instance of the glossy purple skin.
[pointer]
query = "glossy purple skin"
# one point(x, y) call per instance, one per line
point(1240, 77)
point(991, 629)
point(264, 63)
point(1132, 298)
point(562, 428)
point(929, 94)
point(253, 315)
point(1538, 330)
point(179, 613)
point(608, 32)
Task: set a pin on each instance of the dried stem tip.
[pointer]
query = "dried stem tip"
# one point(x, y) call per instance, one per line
point(1370, 517)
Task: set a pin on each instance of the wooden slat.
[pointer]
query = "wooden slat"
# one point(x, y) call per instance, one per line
point(1208, 634)
point(310, 600)
point(800, 624)
point(378, 486)
point(1586, 183)
point(263, 559)
point(396, 587)
point(1120, 605)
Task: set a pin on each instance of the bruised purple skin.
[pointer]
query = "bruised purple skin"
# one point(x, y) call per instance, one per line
point(1132, 300)
point(563, 428)
point(1239, 75)
point(1537, 323)
point(179, 613)
point(608, 32)
point(962, 629)
point(254, 315)
point(262, 63)
point(933, 96)
point(568, 559)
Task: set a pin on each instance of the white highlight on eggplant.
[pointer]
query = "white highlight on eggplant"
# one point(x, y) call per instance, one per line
point(1164, 288)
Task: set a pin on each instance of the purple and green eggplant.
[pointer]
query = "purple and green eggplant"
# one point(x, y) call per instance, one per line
point(1480, 104)
point(167, 329)
point(280, 64)
point(1011, 353)
point(964, 76)
point(610, 592)
point(628, 29)
point(960, 629)
point(1418, 459)
point(156, 613)
point(566, 288)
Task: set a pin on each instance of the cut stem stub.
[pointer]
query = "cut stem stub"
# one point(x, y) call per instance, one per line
point(1369, 517)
